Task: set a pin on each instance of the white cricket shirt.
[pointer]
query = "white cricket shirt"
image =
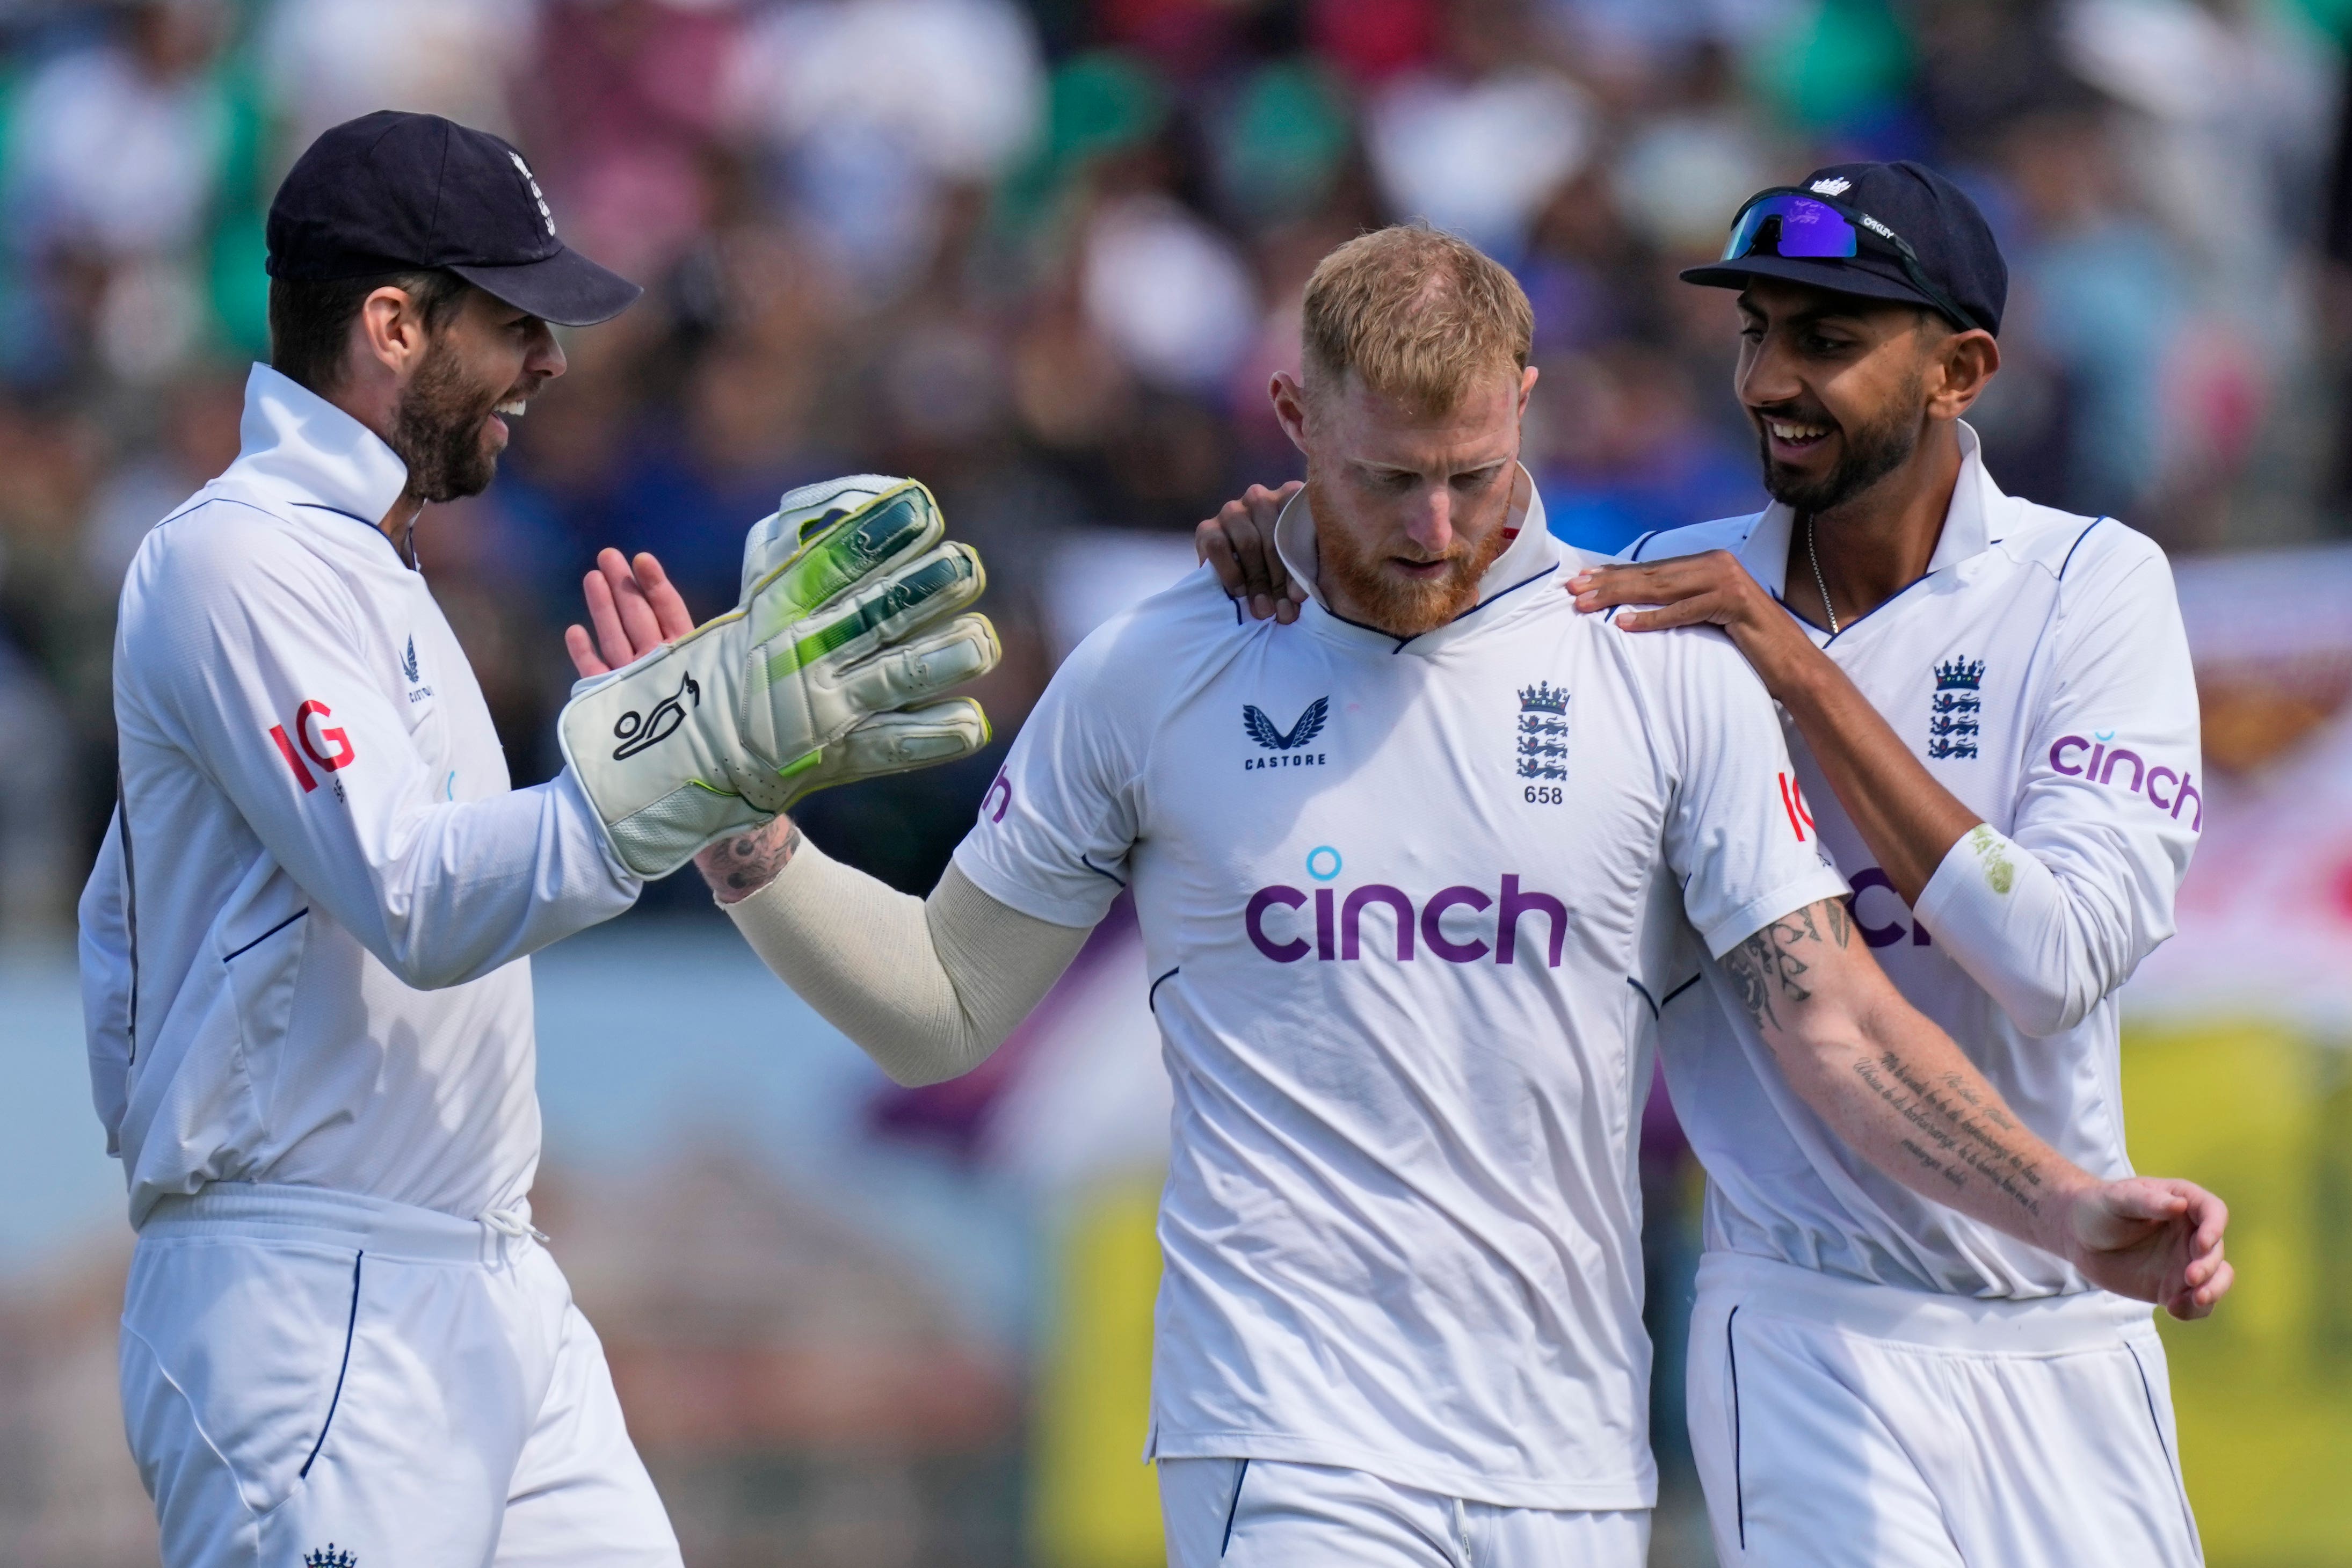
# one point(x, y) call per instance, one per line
point(1405, 905)
point(2040, 673)
point(299, 946)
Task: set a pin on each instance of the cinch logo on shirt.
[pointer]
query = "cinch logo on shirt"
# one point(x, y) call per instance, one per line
point(1284, 743)
point(2100, 767)
point(1886, 935)
point(1338, 922)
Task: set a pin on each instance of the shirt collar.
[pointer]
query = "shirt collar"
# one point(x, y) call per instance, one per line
point(1966, 532)
point(295, 440)
point(1531, 554)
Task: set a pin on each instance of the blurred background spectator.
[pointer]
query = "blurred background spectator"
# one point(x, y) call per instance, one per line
point(1044, 254)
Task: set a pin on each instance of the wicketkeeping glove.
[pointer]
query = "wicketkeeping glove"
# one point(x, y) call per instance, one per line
point(823, 673)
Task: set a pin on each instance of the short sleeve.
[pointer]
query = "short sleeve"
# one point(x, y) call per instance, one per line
point(1738, 835)
point(1058, 822)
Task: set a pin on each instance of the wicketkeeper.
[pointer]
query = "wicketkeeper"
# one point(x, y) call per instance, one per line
point(343, 1343)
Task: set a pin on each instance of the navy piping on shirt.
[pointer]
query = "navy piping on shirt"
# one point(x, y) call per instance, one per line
point(1845, 626)
point(312, 505)
point(376, 529)
point(2077, 545)
point(273, 931)
point(1486, 601)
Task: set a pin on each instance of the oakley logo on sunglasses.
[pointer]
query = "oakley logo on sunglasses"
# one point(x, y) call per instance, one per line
point(1787, 221)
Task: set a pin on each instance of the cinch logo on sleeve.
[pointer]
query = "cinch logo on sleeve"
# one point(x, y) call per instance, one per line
point(331, 750)
point(2099, 766)
point(1337, 924)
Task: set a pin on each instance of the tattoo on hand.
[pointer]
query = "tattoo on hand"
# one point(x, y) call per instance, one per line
point(750, 861)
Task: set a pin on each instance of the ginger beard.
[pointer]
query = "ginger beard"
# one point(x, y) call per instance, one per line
point(440, 428)
point(1402, 605)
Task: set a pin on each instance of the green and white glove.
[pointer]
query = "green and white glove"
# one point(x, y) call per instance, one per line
point(827, 670)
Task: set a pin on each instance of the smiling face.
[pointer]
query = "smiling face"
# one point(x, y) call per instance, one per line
point(1411, 505)
point(1841, 389)
point(479, 369)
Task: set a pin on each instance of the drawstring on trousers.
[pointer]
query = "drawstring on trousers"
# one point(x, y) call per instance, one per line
point(514, 1223)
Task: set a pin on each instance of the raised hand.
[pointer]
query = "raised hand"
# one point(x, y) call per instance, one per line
point(2154, 1239)
point(633, 610)
point(834, 667)
point(1238, 544)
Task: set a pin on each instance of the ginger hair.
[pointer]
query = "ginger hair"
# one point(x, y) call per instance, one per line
point(1417, 314)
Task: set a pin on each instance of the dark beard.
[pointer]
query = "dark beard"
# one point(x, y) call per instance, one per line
point(1871, 452)
point(437, 430)
point(1399, 609)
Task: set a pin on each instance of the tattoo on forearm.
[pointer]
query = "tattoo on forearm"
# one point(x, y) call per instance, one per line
point(750, 861)
point(1767, 965)
point(1957, 1134)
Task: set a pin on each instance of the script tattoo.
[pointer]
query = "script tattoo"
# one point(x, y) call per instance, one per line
point(739, 867)
point(1769, 965)
point(1955, 1133)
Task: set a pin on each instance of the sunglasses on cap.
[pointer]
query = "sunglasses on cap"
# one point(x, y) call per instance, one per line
point(1790, 222)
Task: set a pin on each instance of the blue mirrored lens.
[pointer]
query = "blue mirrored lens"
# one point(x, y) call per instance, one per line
point(1792, 225)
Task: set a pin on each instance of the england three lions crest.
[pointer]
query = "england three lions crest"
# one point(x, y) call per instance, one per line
point(1952, 710)
point(1542, 731)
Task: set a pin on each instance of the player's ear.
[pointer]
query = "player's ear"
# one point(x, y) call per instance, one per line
point(1962, 363)
point(1290, 407)
point(392, 327)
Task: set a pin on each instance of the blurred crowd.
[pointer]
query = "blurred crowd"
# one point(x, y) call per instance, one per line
point(1044, 256)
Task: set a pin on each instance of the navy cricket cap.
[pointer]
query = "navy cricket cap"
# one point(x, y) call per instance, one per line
point(1781, 234)
point(393, 191)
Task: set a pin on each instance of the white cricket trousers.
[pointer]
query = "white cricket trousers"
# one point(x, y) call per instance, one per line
point(320, 1376)
point(1844, 1424)
point(1265, 1513)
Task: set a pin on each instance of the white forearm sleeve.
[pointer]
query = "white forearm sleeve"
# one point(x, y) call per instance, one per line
point(926, 987)
point(2047, 947)
point(2052, 915)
